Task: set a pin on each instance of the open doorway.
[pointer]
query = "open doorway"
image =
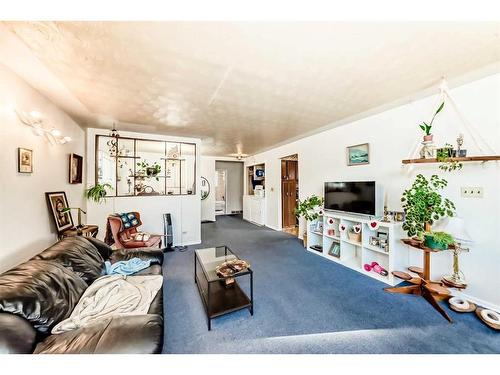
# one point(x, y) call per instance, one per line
point(220, 191)
point(289, 193)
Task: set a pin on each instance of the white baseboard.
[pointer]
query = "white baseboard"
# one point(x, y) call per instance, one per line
point(273, 228)
point(189, 243)
point(477, 301)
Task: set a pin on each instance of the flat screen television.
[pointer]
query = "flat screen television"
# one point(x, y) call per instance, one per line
point(358, 197)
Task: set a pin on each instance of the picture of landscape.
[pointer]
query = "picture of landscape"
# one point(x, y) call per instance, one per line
point(358, 154)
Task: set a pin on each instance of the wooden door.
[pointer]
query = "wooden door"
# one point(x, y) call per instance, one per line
point(288, 202)
point(292, 170)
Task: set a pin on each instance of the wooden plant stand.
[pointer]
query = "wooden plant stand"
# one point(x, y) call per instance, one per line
point(422, 285)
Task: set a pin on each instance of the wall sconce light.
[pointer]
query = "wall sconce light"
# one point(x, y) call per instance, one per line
point(35, 120)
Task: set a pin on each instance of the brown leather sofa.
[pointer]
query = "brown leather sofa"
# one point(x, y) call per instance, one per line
point(37, 294)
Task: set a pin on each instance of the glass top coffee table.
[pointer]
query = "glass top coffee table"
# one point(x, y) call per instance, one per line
point(218, 298)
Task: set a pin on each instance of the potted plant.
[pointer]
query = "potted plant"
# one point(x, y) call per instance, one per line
point(354, 233)
point(438, 240)
point(149, 170)
point(444, 155)
point(426, 127)
point(423, 205)
point(310, 209)
point(97, 193)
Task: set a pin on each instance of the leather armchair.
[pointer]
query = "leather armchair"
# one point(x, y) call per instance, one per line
point(126, 238)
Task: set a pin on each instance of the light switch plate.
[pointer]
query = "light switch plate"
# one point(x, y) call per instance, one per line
point(471, 192)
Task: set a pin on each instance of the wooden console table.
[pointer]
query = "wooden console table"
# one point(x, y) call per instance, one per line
point(86, 231)
point(422, 285)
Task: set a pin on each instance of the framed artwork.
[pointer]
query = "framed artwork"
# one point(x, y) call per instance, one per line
point(24, 160)
point(75, 169)
point(358, 154)
point(57, 203)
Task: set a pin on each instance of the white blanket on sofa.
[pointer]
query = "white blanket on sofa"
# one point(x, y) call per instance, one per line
point(110, 296)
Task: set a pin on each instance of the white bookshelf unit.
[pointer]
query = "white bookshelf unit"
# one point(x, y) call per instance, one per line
point(353, 254)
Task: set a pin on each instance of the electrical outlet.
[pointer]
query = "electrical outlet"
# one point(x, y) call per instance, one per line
point(471, 192)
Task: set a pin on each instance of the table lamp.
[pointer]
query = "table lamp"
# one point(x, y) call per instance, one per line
point(456, 227)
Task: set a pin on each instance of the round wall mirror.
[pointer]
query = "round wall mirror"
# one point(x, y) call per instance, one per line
point(205, 188)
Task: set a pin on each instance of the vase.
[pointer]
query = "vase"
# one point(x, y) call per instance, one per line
point(428, 138)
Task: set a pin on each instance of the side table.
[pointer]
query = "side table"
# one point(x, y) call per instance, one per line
point(86, 231)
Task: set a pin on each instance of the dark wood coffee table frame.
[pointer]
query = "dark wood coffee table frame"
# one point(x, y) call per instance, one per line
point(217, 299)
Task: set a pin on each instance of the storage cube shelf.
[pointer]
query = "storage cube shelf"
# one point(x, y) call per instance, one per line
point(355, 254)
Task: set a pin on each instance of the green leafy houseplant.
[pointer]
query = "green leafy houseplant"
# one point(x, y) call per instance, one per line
point(426, 127)
point(423, 204)
point(438, 240)
point(309, 208)
point(152, 170)
point(443, 156)
point(97, 193)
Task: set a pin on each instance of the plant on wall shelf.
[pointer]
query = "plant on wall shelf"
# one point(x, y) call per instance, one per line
point(309, 208)
point(444, 155)
point(97, 193)
point(426, 127)
point(423, 204)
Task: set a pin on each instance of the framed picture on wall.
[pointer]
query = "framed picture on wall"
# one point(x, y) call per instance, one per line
point(75, 169)
point(358, 154)
point(57, 202)
point(24, 160)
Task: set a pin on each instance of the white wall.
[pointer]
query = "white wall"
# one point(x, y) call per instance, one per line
point(27, 226)
point(234, 184)
point(391, 134)
point(207, 170)
point(185, 209)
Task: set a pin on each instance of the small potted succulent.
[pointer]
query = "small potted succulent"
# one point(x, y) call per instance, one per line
point(426, 127)
point(354, 233)
point(438, 240)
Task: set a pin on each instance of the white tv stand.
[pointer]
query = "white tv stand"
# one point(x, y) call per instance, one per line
point(355, 254)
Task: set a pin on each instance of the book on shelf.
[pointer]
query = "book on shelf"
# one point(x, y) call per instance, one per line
point(334, 249)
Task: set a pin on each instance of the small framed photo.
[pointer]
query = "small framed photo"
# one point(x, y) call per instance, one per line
point(358, 154)
point(399, 216)
point(75, 169)
point(57, 203)
point(24, 160)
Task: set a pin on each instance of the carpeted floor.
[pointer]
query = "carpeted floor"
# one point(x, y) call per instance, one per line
point(306, 304)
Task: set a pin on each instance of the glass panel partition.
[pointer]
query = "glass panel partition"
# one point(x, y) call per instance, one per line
point(141, 167)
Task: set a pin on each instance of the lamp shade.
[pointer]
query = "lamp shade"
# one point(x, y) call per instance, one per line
point(456, 227)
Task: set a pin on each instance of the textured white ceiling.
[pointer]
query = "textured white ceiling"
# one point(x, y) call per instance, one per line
point(243, 87)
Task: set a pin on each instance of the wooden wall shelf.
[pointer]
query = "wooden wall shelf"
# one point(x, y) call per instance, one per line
point(465, 159)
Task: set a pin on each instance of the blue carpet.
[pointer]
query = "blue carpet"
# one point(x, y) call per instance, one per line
point(306, 304)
